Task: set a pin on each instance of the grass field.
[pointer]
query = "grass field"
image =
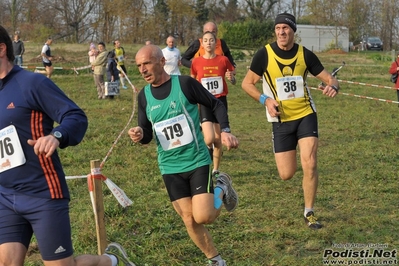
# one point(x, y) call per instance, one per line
point(357, 199)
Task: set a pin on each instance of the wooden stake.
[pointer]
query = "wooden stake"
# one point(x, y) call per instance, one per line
point(98, 206)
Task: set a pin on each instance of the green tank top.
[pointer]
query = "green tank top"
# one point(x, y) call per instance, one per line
point(176, 126)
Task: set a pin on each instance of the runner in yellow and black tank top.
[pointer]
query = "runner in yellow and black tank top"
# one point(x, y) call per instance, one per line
point(285, 81)
point(283, 65)
point(120, 58)
point(120, 55)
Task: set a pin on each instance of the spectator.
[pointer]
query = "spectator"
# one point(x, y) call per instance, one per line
point(93, 52)
point(394, 69)
point(172, 57)
point(99, 65)
point(112, 70)
point(19, 50)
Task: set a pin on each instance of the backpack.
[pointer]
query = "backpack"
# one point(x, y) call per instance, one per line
point(394, 77)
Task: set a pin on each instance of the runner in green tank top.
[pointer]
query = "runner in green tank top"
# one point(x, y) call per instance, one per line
point(168, 110)
point(176, 131)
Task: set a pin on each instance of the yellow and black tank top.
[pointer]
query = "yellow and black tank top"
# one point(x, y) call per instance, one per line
point(120, 55)
point(285, 81)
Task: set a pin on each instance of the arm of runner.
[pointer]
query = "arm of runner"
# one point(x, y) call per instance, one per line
point(231, 77)
point(332, 88)
point(197, 94)
point(248, 85)
point(44, 145)
point(136, 134)
point(189, 54)
point(143, 121)
point(229, 140)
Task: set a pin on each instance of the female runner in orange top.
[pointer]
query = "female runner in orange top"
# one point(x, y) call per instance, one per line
point(211, 70)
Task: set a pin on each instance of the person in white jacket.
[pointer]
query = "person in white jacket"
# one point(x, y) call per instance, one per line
point(172, 57)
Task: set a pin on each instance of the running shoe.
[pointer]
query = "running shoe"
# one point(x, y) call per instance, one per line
point(120, 254)
point(230, 197)
point(311, 221)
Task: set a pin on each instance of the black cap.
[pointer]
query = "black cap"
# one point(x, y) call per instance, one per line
point(286, 18)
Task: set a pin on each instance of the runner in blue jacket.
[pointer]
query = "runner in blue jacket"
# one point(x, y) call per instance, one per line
point(34, 197)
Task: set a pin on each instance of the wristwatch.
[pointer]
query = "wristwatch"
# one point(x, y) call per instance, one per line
point(226, 130)
point(58, 135)
point(334, 87)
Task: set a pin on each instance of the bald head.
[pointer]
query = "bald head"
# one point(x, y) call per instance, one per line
point(211, 27)
point(150, 51)
point(170, 42)
point(150, 62)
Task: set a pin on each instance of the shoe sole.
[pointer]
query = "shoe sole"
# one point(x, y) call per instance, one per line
point(119, 247)
point(313, 226)
point(231, 190)
point(309, 225)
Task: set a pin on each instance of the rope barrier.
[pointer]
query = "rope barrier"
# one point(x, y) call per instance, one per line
point(124, 129)
point(76, 176)
point(116, 191)
point(130, 118)
point(361, 83)
point(366, 84)
point(75, 69)
point(361, 96)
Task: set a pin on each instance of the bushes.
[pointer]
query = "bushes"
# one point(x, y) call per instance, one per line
point(248, 34)
point(238, 55)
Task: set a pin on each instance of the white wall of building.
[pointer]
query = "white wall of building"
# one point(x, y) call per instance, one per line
point(320, 38)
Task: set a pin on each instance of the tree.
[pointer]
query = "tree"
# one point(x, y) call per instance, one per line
point(328, 13)
point(356, 19)
point(298, 8)
point(137, 20)
point(387, 17)
point(15, 10)
point(225, 10)
point(74, 14)
point(183, 19)
point(202, 11)
point(259, 9)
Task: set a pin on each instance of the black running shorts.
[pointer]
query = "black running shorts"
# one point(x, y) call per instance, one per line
point(188, 184)
point(286, 134)
point(206, 114)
